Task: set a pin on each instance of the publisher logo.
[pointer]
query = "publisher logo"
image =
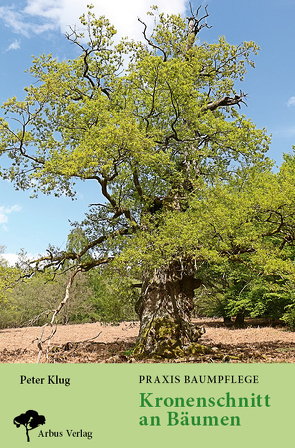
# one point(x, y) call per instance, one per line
point(30, 420)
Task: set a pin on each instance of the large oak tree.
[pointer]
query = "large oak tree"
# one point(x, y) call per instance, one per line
point(157, 125)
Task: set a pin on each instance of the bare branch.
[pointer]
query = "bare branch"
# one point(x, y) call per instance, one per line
point(74, 345)
point(73, 37)
point(151, 43)
point(195, 26)
point(86, 69)
point(226, 101)
point(58, 309)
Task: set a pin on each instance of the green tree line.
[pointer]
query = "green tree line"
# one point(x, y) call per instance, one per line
point(95, 296)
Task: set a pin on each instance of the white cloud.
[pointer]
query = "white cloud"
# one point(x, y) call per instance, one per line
point(4, 212)
point(20, 23)
point(291, 101)
point(14, 46)
point(10, 258)
point(40, 16)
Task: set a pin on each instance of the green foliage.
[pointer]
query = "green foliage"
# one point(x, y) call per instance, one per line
point(83, 118)
point(95, 296)
point(289, 316)
point(8, 277)
point(240, 235)
point(258, 298)
point(184, 175)
point(245, 220)
point(32, 301)
point(114, 297)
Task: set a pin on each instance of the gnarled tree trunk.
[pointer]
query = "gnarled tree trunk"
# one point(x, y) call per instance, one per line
point(164, 309)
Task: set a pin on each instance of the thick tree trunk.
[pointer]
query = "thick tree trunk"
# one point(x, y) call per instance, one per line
point(164, 309)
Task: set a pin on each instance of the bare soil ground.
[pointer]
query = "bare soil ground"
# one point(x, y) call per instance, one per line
point(96, 343)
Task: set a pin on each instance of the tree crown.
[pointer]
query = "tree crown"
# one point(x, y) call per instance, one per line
point(150, 121)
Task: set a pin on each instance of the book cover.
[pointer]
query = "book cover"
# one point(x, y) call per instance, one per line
point(176, 194)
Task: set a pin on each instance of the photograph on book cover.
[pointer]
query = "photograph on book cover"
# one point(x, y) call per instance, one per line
point(147, 221)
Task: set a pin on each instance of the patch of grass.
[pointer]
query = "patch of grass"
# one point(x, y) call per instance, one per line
point(287, 349)
point(129, 352)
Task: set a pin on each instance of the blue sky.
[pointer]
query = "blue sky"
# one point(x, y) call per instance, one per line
point(33, 27)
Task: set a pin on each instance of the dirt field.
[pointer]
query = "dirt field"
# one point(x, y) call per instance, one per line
point(95, 343)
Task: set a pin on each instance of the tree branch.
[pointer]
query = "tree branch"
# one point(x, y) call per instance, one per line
point(151, 43)
point(137, 183)
point(58, 309)
point(226, 101)
point(177, 113)
point(195, 26)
